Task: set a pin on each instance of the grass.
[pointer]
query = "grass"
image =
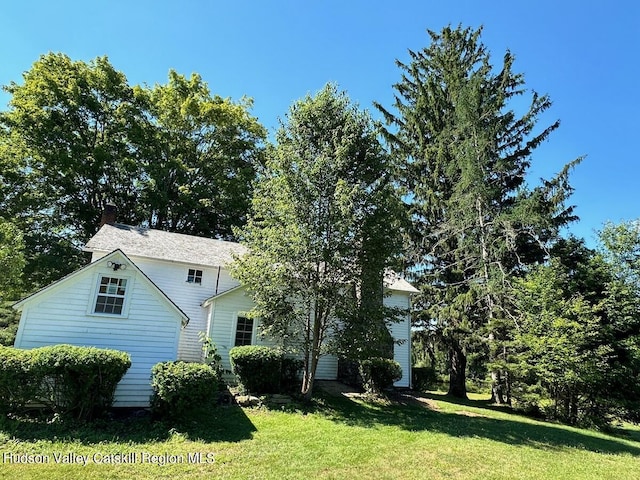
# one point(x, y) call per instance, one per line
point(336, 438)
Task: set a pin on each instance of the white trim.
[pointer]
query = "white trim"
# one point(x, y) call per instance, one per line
point(93, 295)
point(212, 299)
point(49, 289)
point(21, 326)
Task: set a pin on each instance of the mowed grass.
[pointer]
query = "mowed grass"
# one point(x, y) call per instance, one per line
point(336, 438)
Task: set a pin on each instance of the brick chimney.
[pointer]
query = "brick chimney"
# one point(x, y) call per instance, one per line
point(109, 214)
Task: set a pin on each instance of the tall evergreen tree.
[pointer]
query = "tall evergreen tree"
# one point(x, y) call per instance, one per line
point(465, 155)
point(321, 230)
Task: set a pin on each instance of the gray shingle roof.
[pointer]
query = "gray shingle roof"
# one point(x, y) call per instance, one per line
point(393, 281)
point(174, 247)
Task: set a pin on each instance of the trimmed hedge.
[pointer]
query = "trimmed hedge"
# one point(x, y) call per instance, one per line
point(181, 386)
point(264, 369)
point(17, 384)
point(74, 381)
point(424, 378)
point(379, 373)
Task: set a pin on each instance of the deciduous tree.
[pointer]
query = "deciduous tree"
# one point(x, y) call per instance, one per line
point(576, 347)
point(320, 231)
point(201, 152)
point(77, 135)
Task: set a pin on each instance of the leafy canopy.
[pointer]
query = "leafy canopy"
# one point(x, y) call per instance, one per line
point(320, 219)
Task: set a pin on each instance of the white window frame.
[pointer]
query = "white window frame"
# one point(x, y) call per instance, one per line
point(124, 313)
point(195, 278)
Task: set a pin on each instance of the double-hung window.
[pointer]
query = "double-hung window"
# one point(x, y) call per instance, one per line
point(111, 295)
point(244, 331)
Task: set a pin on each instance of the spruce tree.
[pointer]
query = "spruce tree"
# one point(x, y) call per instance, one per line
point(464, 156)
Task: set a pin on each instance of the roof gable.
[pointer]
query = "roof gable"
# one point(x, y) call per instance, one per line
point(161, 245)
point(115, 254)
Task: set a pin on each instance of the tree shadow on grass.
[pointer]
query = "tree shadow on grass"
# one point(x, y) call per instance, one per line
point(466, 423)
point(217, 424)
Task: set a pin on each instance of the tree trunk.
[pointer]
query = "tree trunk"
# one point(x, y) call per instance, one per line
point(310, 374)
point(457, 371)
point(497, 387)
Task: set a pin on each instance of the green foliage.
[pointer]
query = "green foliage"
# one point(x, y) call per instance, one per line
point(9, 321)
point(576, 350)
point(77, 136)
point(73, 381)
point(211, 355)
point(379, 374)
point(620, 244)
point(12, 260)
point(321, 230)
point(17, 383)
point(201, 153)
point(70, 127)
point(257, 367)
point(290, 370)
point(424, 378)
point(180, 387)
point(464, 155)
point(264, 369)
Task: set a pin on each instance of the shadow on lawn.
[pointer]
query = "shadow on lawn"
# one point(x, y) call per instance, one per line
point(466, 423)
point(220, 424)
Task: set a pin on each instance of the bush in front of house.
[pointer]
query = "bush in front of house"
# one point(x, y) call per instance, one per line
point(260, 369)
point(379, 373)
point(72, 381)
point(77, 381)
point(16, 385)
point(182, 386)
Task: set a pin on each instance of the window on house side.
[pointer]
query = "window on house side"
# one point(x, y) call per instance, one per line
point(194, 276)
point(244, 331)
point(111, 294)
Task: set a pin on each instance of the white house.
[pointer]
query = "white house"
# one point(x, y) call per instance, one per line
point(150, 293)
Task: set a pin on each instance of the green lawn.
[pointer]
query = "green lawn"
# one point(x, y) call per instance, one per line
point(337, 438)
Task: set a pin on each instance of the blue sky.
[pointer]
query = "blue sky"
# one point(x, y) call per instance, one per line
point(584, 54)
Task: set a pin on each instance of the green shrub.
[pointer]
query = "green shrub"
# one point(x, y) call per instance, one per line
point(181, 386)
point(78, 381)
point(16, 385)
point(424, 378)
point(9, 320)
point(73, 381)
point(257, 367)
point(211, 355)
point(379, 373)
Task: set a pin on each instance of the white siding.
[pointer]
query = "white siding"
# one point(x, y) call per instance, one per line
point(171, 278)
point(327, 368)
point(401, 331)
point(225, 311)
point(149, 331)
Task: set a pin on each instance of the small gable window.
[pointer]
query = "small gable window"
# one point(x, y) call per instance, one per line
point(111, 295)
point(244, 331)
point(194, 276)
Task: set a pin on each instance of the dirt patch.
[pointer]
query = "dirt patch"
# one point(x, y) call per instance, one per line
point(414, 398)
point(469, 414)
point(337, 389)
